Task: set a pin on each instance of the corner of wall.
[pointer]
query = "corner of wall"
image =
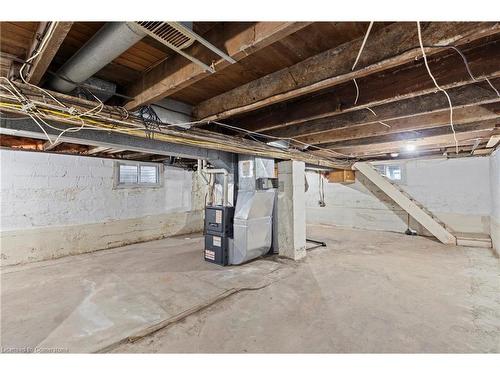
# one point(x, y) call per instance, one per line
point(495, 200)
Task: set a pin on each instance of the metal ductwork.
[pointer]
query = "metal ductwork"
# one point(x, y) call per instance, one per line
point(107, 44)
point(253, 214)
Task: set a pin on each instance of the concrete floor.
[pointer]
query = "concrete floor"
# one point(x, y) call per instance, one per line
point(366, 292)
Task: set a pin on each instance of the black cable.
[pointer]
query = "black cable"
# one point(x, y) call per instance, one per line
point(150, 120)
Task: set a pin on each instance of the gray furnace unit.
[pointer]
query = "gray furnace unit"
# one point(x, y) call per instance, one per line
point(252, 222)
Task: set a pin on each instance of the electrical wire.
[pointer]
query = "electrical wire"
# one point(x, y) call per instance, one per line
point(37, 115)
point(354, 65)
point(335, 153)
point(436, 84)
point(466, 63)
point(357, 59)
point(40, 48)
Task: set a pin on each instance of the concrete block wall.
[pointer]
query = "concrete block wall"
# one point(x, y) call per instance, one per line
point(54, 205)
point(495, 200)
point(456, 190)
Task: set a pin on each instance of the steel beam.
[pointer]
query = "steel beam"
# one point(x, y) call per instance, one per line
point(28, 128)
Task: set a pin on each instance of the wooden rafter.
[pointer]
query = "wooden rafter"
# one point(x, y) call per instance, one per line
point(387, 48)
point(237, 39)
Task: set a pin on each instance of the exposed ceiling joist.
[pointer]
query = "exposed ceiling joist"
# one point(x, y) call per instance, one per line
point(238, 40)
point(40, 64)
point(492, 142)
point(424, 144)
point(413, 135)
point(462, 115)
point(318, 131)
point(406, 82)
point(97, 150)
point(391, 46)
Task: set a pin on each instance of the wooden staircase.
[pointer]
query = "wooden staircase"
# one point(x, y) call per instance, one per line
point(420, 213)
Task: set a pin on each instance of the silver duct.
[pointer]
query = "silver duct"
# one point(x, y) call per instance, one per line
point(253, 214)
point(107, 44)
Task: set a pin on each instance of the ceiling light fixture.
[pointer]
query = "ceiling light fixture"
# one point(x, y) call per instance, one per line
point(410, 147)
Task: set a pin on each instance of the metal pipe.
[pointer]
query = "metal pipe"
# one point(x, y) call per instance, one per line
point(107, 44)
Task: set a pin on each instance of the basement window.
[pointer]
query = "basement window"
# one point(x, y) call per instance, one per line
point(137, 174)
point(393, 172)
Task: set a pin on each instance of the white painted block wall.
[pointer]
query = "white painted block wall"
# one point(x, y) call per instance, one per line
point(495, 199)
point(66, 199)
point(456, 190)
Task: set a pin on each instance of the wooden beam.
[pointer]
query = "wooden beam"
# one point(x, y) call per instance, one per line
point(391, 46)
point(237, 39)
point(438, 141)
point(96, 150)
point(41, 63)
point(462, 115)
point(402, 83)
point(5, 66)
point(494, 139)
point(318, 131)
point(135, 155)
point(483, 151)
point(413, 135)
point(47, 146)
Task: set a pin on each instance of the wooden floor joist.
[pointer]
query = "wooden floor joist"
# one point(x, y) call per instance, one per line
point(461, 116)
point(238, 40)
point(413, 135)
point(423, 143)
point(40, 64)
point(317, 131)
point(391, 46)
point(405, 82)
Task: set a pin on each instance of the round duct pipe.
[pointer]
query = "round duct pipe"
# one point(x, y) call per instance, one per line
point(107, 44)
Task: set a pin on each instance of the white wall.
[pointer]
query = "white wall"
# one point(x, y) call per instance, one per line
point(456, 190)
point(495, 199)
point(53, 205)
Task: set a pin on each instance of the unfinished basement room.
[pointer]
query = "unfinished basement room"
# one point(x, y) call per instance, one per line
point(250, 187)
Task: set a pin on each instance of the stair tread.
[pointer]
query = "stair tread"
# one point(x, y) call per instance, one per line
point(431, 222)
